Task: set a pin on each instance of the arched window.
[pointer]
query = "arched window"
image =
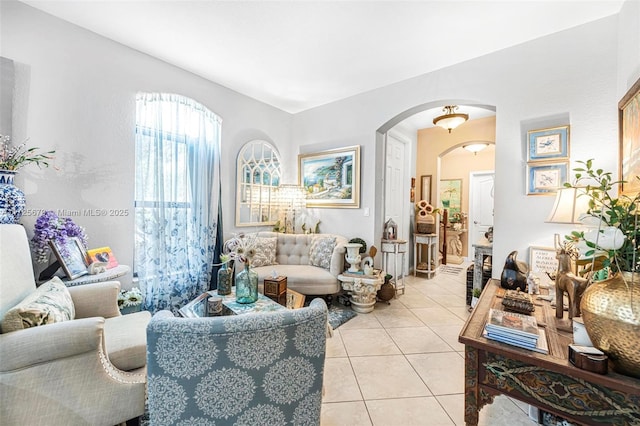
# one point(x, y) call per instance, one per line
point(177, 188)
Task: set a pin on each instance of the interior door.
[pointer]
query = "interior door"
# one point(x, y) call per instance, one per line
point(396, 187)
point(481, 187)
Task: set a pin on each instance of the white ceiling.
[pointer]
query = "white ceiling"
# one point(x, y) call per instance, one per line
point(296, 55)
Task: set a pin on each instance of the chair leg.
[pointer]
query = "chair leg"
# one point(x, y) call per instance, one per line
point(134, 422)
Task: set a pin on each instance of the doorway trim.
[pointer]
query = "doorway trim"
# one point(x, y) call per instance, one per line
point(380, 152)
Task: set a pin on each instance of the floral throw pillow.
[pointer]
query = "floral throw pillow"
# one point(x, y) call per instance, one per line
point(320, 251)
point(265, 248)
point(48, 304)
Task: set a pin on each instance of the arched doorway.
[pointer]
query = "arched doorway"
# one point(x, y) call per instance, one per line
point(381, 187)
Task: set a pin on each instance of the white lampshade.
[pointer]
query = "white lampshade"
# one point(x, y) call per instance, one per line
point(569, 205)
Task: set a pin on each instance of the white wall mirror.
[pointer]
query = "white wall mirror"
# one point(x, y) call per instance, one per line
point(258, 177)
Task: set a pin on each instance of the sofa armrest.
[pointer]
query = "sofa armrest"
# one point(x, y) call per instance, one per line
point(337, 259)
point(96, 300)
point(35, 345)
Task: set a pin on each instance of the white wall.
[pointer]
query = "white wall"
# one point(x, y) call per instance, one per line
point(628, 46)
point(567, 77)
point(76, 94)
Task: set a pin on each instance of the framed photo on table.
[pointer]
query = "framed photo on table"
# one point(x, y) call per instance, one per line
point(71, 255)
point(546, 178)
point(542, 259)
point(331, 178)
point(548, 144)
point(629, 118)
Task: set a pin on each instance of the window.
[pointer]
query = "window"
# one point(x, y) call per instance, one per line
point(177, 187)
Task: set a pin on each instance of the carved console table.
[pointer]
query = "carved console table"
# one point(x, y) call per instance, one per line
point(549, 382)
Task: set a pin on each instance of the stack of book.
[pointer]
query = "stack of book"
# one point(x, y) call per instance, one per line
point(516, 329)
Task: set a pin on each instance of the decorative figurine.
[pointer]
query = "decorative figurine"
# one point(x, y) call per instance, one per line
point(566, 281)
point(514, 274)
point(390, 230)
point(533, 283)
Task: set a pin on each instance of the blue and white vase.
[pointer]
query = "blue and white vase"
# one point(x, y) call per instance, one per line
point(12, 199)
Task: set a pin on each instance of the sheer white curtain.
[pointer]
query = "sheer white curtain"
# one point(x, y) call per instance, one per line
point(177, 191)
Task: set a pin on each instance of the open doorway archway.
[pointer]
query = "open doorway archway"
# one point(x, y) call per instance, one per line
point(381, 154)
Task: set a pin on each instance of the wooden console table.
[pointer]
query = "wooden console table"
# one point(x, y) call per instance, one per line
point(549, 382)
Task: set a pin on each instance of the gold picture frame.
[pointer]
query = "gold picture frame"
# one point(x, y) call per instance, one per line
point(331, 178)
point(629, 133)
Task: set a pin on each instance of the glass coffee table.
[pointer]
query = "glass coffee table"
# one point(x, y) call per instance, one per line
point(198, 308)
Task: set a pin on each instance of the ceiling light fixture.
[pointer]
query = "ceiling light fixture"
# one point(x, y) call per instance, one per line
point(475, 147)
point(450, 120)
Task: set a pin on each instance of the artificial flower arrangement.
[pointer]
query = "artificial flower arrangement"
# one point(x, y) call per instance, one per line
point(614, 222)
point(240, 248)
point(129, 298)
point(14, 158)
point(50, 227)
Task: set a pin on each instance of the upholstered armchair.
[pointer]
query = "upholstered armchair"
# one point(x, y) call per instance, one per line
point(85, 367)
point(263, 368)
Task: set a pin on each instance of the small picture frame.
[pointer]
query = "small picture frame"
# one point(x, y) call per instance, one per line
point(548, 144)
point(71, 255)
point(546, 178)
point(542, 260)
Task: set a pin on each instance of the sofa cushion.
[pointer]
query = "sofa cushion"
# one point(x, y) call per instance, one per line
point(125, 338)
point(305, 279)
point(320, 251)
point(48, 304)
point(265, 248)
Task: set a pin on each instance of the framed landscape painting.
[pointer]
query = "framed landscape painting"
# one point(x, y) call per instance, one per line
point(451, 195)
point(629, 116)
point(548, 144)
point(331, 178)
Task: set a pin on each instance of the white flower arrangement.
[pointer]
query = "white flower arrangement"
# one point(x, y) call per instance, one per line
point(241, 248)
point(128, 298)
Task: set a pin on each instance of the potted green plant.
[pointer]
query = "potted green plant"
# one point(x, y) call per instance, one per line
point(475, 295)
point(611, 305)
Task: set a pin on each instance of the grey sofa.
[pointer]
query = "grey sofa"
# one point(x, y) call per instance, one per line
point(86, 370)
point(251, 369)
point(292, 257)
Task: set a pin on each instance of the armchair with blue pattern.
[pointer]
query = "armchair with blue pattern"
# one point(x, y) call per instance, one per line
point(250, 369)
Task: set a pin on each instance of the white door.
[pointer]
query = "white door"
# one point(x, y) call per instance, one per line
point(396, 188)
point(481, 187)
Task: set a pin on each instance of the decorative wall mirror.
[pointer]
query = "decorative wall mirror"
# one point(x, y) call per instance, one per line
point(258, 177)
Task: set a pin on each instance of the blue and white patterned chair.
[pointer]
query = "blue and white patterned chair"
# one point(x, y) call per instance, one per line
point(251, 369)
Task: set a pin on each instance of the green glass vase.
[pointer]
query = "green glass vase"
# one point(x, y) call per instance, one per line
point(224, 280)
point(247, 285)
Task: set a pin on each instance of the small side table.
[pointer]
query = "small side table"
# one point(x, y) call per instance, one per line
point(398, 248)
point(431, 241)
point(482, 248)
point(108, 275)
point(363, 290)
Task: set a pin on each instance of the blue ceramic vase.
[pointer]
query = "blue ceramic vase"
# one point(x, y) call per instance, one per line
point(12, 199)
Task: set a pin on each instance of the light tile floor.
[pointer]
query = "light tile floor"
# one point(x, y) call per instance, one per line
point(402, 364)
